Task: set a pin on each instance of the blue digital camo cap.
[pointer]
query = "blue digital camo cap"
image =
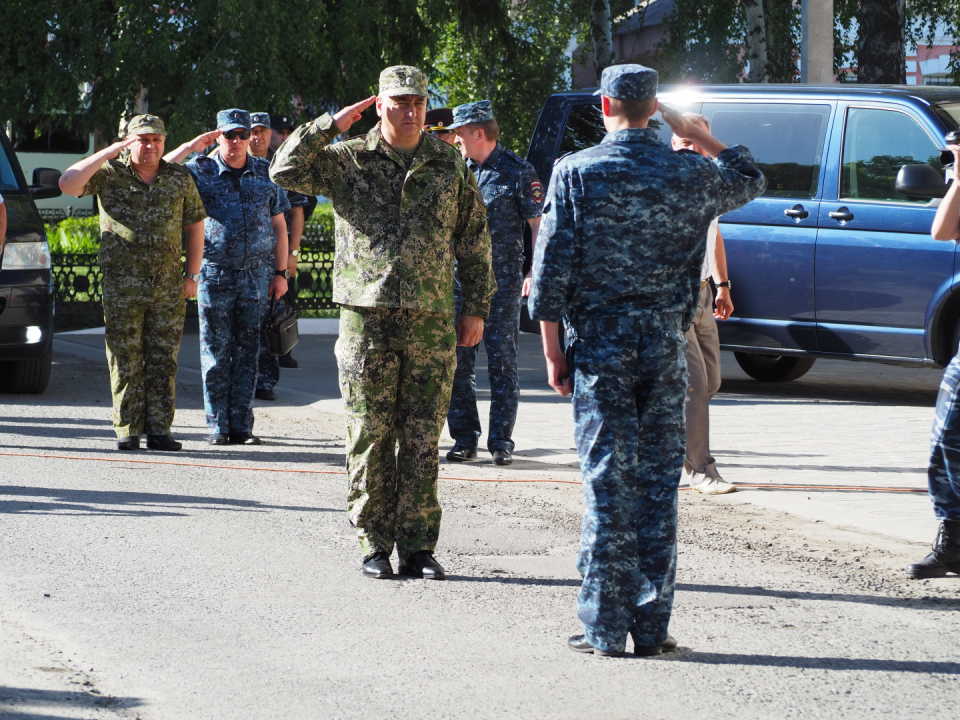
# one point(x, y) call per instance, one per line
point(629, 82)
point(260, 120)
point(470, 113)
point(234, 119)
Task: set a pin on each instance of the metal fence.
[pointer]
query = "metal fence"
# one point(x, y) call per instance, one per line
point(77, 282)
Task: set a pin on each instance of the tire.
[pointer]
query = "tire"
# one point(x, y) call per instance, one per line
point(26, 376)
point(774, 368)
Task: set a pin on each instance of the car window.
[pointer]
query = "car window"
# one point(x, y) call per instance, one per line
point(8, 179)
point(876, 144)
point(61, 135)
point(786, 141)
point(585, 128)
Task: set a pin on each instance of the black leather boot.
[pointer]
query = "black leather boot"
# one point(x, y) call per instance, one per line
point(945, 557)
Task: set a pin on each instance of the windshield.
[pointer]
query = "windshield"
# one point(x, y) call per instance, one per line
point(8, 178)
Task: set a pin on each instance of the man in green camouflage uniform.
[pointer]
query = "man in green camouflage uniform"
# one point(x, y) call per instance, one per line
point(145, 204)
point(406, 209)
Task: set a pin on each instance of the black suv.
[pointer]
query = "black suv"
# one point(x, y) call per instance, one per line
point(26, 279)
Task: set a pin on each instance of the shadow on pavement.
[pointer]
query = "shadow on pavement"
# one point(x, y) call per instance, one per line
point(11, 697)
point(906, 603)
point(86, 502)
point(812, 663)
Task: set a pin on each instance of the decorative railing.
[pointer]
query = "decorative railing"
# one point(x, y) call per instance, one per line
point(77, 282)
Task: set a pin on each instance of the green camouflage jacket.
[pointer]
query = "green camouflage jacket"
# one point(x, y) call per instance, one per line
point(141, 226)
point(398, 231)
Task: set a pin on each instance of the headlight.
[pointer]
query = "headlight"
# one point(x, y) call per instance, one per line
point(26, 256)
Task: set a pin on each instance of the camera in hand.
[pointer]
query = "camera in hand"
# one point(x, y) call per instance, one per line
point(953, 137)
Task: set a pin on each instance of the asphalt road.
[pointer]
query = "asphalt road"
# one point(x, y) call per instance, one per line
point(228, 584)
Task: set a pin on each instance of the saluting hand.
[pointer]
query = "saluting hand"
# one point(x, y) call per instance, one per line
point(350, 114)
point(114, 150)
point(202, 142)
point(678, 123)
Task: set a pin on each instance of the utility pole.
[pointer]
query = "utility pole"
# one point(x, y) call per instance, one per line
point(816, 42)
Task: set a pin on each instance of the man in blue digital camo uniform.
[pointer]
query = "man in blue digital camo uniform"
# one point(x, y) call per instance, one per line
point(406, 209)
point(244, 265)
point(513, 195)
point(620, 254)
point(943, 473)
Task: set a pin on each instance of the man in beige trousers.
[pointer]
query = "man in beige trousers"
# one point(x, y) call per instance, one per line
point(703, 353)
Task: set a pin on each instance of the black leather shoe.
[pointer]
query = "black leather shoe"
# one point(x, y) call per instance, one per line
point(502, 457)
point(945, 557)
point(580, 644)
point(287, 361)
point(461, 453)
point(163, 442)
point(265, 394)
point(378, 566)
point(218, 439)
point(244, 438)
point(131, 442)
point(422, 564)
point(668, 645)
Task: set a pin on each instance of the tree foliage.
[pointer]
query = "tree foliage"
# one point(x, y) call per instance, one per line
point(101, 59)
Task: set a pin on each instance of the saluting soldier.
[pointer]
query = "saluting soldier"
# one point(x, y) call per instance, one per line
point(513, 196)
point(406, 208)
point(244, 265)
point(620, 254)
point(145, 205)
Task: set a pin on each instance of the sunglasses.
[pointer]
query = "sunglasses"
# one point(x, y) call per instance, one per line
point(234, 134)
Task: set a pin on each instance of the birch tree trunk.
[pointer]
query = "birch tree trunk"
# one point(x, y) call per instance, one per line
point(756, 42)
point(882, 56)
point(601, 34)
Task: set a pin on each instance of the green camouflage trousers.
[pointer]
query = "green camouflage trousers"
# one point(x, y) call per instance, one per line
point(144, 323)
point(396, 372)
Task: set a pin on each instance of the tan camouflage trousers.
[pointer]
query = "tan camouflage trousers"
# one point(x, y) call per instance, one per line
point(144, 324)
point(396, 373)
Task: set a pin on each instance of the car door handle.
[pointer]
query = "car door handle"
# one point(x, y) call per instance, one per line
point(843, 214)
point(797, 211)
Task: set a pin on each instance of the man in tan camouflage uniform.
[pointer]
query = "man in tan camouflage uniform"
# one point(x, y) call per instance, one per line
point(145, 204)
point(406, 209)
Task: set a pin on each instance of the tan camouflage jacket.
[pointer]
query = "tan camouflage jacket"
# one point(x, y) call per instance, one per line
point(398, 232)
point(141, 226)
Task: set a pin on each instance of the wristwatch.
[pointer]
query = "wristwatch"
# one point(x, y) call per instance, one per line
point(194, 276)
point(295, 252)
point(726, 284)
point(285, 274)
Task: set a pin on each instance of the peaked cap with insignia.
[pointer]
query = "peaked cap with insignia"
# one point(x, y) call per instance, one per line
point(233, 119)
point(403, 80)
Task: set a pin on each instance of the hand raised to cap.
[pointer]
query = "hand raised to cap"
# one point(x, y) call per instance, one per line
point(350, 114)
point(202, 142)
point(681, 127)
point(115, 149)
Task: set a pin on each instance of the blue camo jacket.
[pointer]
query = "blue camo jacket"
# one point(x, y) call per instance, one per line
point(513, 194)
point(238, 232)
point(625, 229)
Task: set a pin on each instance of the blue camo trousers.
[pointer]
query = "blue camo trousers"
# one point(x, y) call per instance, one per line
point(629, 430)
point(943, 474)
point(268, 368)
point(501, 339)
point(229, 305)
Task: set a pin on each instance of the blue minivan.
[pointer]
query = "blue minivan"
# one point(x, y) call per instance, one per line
point(832, 261)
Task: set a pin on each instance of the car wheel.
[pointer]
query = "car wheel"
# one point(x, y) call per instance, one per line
point(774, 368)
point(26, 376)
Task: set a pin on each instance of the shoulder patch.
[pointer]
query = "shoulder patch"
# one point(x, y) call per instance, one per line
point(177, 168)
point(536, 191)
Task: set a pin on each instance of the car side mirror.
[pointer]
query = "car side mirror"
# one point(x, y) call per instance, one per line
point(920, 181)
point(46, 184)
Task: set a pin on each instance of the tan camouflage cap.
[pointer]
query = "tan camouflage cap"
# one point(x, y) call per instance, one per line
point(403, 80)
point(146, 125)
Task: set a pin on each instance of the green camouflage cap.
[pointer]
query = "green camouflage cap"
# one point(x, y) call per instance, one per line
point(403, 80)
point(146, 125)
